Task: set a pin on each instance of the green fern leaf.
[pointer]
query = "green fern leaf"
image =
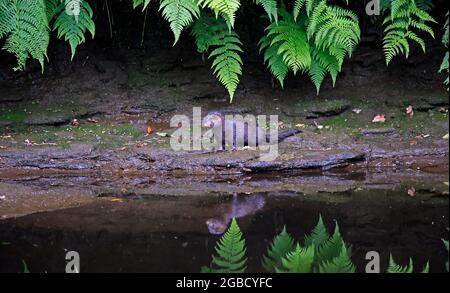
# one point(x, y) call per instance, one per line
point(298, 261)
point(52, 8)
point(280, 247)
point(73, 28)
point(319, 235)
point(331, 248)
point(405, 21)
point(292, 43)
point(274, 61)
point(25, 23)
point(226, 8)
point(271, 8)
point(180, 14)
point(144, 3)
point(395, 268)
point(448, 258)
point(227, 63)
point(342, 263)
point(231, 251)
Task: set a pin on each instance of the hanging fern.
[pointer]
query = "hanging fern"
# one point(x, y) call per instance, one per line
point(444, 65)
point(74, 27)
point(230, 252)
point(280, 247)
point(180, 14)
point(274, 61)
point(227, 63)
point(25, 24)
point(271, 8)
point(292, 42)
point(226, 8)
point(144, 3)
point(315, 39)
point(404, 23)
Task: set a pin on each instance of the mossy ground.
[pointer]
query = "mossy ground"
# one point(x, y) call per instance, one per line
point(101, 135)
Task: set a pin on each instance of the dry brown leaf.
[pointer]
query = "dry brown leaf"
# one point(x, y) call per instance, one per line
point(380, 118)
point(74, 123)
point(412, 192)
point(410, 111)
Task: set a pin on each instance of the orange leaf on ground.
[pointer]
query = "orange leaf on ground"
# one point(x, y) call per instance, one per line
point(410, 111)
point(381, 118)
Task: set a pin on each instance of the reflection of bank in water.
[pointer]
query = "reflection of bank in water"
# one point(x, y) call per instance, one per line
point(239, 207)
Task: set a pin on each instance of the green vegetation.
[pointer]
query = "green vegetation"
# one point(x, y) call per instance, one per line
point(230, 253)
point(319, 253)
point(303, 36)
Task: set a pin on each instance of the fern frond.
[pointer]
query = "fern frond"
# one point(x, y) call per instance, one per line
point(144, 3)
point(444, 65)
point(298, 261)
point(73, 27)
point(226, 8)
point(319, 235)
point(281, 245)
point(271, 8)
point(448, 258)
point(293, 44)
point(274, 61)
point(52, 7)
point(342, 263)
point(331, 248)
point(25, 23)
point(227, 63)
point(180, 14)
point(395, 268)
point(405, 21)
point(231, 251)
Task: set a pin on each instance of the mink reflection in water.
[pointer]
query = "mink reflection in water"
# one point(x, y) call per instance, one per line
point(240, 206)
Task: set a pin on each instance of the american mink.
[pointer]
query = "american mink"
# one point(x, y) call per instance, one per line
point(252, 133)
point(238, 208)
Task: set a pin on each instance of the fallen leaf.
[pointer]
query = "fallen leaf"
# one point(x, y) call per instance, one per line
point(410, 111)
point(2, 197)
point(357, 111)
point(149, 130)
point(162, 134)
point(442, 110)
point(412, 192)
point(318, 126)
point(116, 200)
point(92, 120)
point(381, 118)
point(300, 125)
point(445, 136)
point(74, 123)
point(446, 183)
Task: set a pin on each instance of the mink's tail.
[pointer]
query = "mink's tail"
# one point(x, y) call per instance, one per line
point(285, 134)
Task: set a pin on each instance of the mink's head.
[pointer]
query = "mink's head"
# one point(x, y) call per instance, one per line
point(216, 226)
point(212, 119)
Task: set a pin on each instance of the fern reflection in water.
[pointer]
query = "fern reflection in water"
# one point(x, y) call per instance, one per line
point(320, 253)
